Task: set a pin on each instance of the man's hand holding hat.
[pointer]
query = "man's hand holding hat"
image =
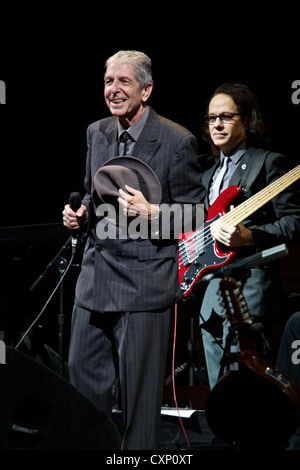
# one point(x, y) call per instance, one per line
point(134, 203)
point(131, 183)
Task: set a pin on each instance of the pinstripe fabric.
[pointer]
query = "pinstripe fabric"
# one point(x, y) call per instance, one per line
point(95, 340)
point(143, 273)
point(91, 365)
point(137, 276)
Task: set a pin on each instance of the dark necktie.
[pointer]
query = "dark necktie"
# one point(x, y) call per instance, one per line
point(124, 138)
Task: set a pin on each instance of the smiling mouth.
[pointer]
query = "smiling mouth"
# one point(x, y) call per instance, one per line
point(117, 101)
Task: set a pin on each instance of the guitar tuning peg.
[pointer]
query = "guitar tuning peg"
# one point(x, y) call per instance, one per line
point(239, 292)
point(223, 312)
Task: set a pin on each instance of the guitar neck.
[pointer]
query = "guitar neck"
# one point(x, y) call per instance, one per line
point(241, 212)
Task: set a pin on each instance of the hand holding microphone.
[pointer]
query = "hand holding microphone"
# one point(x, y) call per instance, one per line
point(73, 216)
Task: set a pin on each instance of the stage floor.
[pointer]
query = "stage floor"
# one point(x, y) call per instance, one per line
point(192, 432)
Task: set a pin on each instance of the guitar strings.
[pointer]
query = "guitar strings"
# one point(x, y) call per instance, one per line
point(236, 215)
point(262, 197)
point(231, 217)
point(197, 237)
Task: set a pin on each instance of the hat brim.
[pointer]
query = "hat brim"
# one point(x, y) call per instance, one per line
point(107, 189)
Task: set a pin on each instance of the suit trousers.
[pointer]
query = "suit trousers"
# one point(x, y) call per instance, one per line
point(214, 329)
point(132, 346)
point(215, 326)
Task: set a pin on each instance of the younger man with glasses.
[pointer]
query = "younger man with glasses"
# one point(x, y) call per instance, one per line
point(234, 125)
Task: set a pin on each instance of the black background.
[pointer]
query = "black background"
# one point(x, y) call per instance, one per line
point(52, 61)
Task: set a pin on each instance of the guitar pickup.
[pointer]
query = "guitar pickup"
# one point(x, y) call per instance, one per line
point(190, 249)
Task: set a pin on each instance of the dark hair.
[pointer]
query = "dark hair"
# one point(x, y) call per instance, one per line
point(248, 107)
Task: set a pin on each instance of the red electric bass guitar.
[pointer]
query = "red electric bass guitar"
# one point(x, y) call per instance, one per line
point(199, 253)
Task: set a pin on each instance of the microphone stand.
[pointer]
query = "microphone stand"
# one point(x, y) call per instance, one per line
point(61, 316)
point(60, 263)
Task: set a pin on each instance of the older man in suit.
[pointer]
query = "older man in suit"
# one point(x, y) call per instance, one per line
point(128, 286)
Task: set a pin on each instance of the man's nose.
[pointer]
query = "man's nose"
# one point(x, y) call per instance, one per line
point(115, 86)
point(218, 122)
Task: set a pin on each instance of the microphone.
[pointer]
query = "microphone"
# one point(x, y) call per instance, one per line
point(75, 203)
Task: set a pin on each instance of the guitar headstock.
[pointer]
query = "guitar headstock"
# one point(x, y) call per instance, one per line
point(234, 302)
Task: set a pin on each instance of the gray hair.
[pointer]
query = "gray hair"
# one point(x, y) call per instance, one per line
point(139, 61)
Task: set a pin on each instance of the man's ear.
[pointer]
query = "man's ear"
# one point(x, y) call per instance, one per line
point(147, 92)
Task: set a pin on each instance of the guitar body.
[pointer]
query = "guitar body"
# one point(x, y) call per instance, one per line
point(253, 405)
point(198, 253)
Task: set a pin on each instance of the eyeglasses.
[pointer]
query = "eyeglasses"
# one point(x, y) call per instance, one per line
point(224, 117)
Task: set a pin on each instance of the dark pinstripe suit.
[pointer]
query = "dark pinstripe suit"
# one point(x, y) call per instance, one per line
point(130, 286)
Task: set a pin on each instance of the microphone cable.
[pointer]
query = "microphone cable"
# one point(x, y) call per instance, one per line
point(75, 203)
point(173, 378)
point(46, 304)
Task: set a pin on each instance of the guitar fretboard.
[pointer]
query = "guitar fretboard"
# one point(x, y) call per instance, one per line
point(241, 212)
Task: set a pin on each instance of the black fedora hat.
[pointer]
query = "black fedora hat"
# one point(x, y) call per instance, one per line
point(125, 170)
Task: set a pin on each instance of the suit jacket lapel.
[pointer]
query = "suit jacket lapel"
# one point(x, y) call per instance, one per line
point(147, 143)
point(241, 167)
point(109, 145)
point(237, 175)
point(145, 147)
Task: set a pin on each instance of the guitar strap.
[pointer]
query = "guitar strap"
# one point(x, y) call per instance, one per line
point(256, 158)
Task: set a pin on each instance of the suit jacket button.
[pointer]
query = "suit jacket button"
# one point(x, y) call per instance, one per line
point(99, 247)
point(119, 252)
